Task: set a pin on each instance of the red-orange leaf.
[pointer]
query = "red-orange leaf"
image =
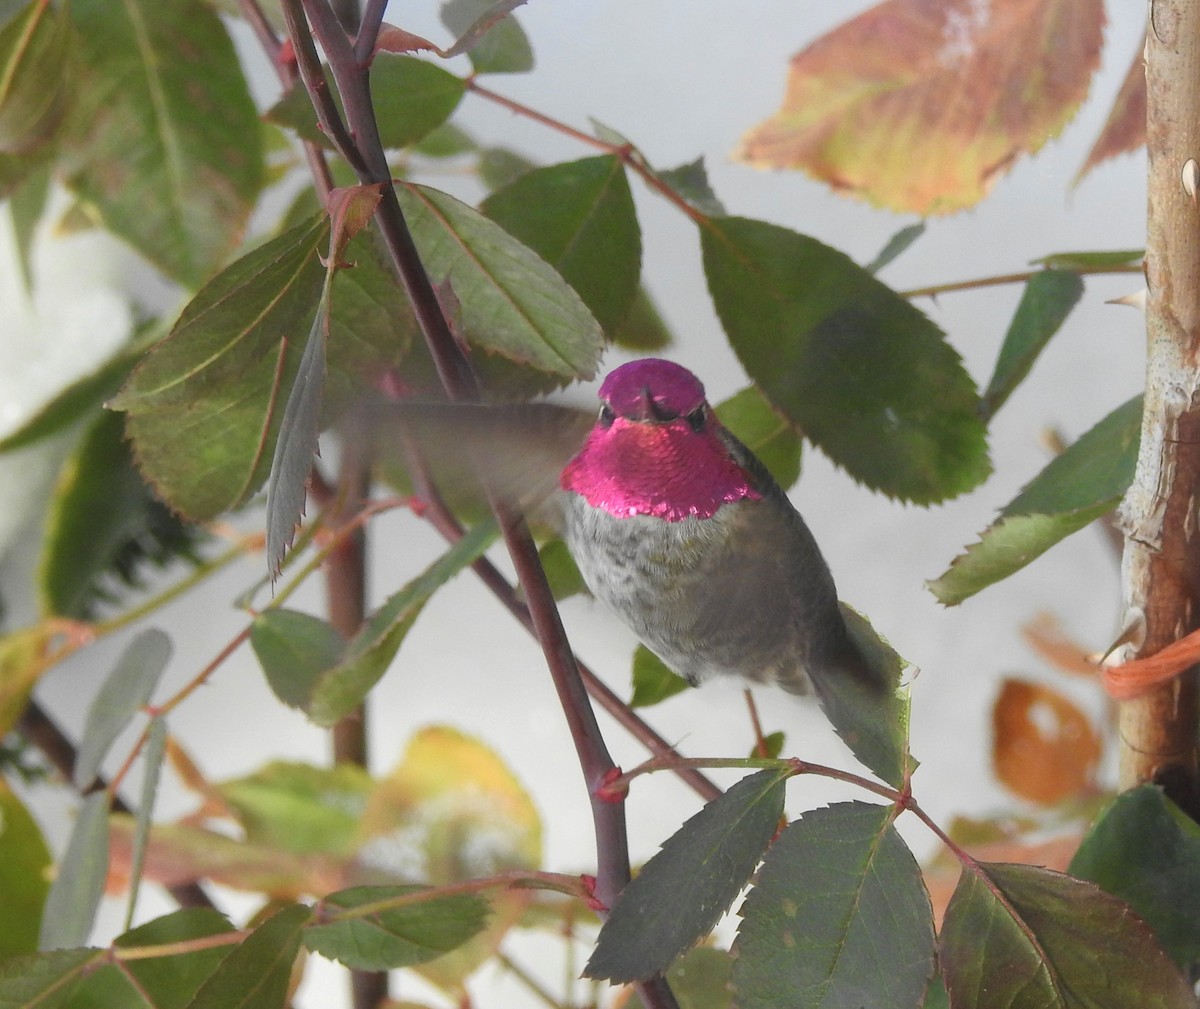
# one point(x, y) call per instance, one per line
point(1125, 128)
point(1044, 748)
point(1046, 636)
point(919, 105)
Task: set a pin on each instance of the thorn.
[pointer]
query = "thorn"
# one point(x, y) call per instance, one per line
point(1135, 300)
point(1189, 177)
point(592, 901)
point(612, 788)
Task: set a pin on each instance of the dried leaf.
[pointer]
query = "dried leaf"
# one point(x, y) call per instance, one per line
point(1140, 676)
point(919, 105)
point(1045, 635)
point(1125, 128)
point(396, 40)
point(1043, 748)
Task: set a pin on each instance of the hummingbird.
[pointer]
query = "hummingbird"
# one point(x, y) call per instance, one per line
point(682, 531)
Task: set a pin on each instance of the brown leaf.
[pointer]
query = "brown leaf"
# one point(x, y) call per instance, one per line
point(1043, 747)
point(1125, 128)
point(1140, 676)
point(350, 210)
point(919, 105)
point(179, 854)
point(396, 40)
point(1045, 635)
point(213, 805)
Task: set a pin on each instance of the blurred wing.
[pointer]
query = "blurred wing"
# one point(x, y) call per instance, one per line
point(518, 449)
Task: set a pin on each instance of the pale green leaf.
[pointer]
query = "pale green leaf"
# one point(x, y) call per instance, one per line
point(122, 695)
point(169, 146)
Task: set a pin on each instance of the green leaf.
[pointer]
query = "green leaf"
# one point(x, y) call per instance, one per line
point(1048, 299)
point(160, 982)
point(936, 997)
point(1005, 547)
point(683, 890)
point(103, 524)
point(514, 306)
point(489, 34)
point(412, 97)
point(1146, 851)
point(653, 679)
point(773, 743)
point(309, 666)
point(858, 369)
point(46, 980)
point(1085, 482)
point(169, 147)
point(152, 761)
point(871, 717)
point(759, 426)
point(201, 411)
point(25, 207)
point(257, 972)
point(299, 808)
point(1091, 260)
point(579, 217)
point(36, 76)
point(16, 169)
point(561, 571)
point(23, 659)
point(838, 916)
point(691, 182)
point(296, 446)
point(498, 166)
point(372, 649)
point(399, 936)
point(895, 246)
point(76, 891)
point(698, 980)
point(1021, 937)
point(643, 329)
point(445, 141)
point(295, 651)
point(371, 325)
point(24, 861)
point(123, 694)
point(205, 404)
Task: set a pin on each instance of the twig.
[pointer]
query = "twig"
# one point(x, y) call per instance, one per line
point(317, 165)
point(368, 30)
point(632, 159)
point(998, 280)
point(627, 153)
point(359, 142)
point(345, 594)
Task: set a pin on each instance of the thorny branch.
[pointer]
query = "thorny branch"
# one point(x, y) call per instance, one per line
point(357, 139)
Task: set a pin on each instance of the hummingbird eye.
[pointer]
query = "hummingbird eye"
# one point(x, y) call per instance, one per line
point(697, 419)
point(607, 416)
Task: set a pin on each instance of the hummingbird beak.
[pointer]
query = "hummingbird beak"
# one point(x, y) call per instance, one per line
point(650, 409)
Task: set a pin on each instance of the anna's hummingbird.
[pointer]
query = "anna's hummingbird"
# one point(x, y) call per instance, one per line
point(679, 528)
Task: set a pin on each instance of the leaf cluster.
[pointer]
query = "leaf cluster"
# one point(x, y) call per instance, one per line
point(310, 333)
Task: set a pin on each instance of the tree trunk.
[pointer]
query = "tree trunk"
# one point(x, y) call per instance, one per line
point(1158, 731)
